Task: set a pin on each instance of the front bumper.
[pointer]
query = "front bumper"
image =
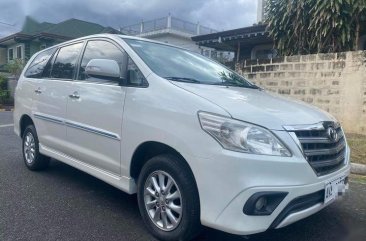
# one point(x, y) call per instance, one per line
point(242, 224)
point(227, 180)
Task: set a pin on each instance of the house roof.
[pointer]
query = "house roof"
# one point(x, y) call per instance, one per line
point(228, 40)
point(68, 29)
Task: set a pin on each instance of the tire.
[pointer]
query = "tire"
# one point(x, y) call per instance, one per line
point(33, 160)
point(188, 221)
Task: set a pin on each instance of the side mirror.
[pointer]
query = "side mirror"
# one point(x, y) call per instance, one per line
point(106, 68)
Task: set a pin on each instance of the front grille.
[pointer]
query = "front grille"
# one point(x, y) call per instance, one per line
point(324, 153)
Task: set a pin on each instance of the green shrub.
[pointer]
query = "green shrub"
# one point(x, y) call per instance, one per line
point(3, 83)
point(5, 97)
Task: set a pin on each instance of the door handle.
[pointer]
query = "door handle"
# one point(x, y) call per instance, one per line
point(38, 91)
point(75, 95)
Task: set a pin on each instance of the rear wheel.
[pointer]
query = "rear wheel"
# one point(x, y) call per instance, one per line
point(32, 158)
point(168, 198)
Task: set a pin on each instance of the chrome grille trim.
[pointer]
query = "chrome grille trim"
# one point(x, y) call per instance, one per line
point(329, 162)
point(317, 126)
point(326, 151)
point(323, 154)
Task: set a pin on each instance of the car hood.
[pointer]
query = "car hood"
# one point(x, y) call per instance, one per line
point(258, 106)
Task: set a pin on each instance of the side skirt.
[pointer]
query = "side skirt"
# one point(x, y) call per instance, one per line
point(123, 183)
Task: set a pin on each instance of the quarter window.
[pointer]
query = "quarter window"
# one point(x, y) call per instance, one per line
point(37, 67)
point(135, 77)
point(47, 69)
point(66, 60)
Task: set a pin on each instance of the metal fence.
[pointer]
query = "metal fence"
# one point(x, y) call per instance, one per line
point(166, 23)
point(184, 26)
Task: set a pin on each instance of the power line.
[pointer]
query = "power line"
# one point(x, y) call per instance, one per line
point(8, 24)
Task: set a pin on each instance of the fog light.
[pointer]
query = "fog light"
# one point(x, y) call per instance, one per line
point(261, 204)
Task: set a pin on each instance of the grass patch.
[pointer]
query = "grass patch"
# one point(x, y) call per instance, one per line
point(358, 179)
point(357, 144)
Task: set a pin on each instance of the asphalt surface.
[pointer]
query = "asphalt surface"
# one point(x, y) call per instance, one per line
point(63, 203)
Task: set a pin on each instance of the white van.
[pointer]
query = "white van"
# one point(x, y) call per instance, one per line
point(198, 143)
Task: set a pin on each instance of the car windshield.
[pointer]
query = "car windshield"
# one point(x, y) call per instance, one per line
point(182, 65)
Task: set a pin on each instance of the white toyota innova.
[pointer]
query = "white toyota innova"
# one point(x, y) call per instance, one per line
point(198, 143)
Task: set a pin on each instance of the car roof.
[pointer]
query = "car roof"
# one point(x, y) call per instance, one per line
point(110, 36)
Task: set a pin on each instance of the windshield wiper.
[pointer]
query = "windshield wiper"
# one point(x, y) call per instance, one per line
point(183, 79)
point(237, 85)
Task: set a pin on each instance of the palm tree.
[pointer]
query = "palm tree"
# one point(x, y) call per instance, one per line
point(359, 14)
point(313, 26)
point(332, 23)
point(286, 19)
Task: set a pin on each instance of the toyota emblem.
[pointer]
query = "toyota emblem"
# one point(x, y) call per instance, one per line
point(332, 134)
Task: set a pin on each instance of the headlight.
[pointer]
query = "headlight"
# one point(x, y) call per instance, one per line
point(242, 137)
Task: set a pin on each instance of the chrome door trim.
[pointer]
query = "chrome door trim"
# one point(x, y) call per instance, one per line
point(77, 126)
point(92, 130)
point(49, 118)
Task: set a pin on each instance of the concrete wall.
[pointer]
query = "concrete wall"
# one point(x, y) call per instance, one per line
point(334, 82)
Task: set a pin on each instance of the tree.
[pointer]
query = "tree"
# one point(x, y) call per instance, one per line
point(313, 26)
point(359, 15)
point(15, 67)
point(286, 20)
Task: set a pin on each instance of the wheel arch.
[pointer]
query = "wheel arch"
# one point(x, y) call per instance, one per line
point(146, 151)
point(24, 121)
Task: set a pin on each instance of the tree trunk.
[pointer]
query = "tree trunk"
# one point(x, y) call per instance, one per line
point(357, 37)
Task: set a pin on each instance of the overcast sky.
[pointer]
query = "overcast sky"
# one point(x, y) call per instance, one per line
point(217, 14)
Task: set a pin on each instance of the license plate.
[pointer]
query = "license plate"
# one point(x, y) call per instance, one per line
point(333, 189)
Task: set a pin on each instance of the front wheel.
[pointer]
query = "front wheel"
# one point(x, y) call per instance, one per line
point(168, 198)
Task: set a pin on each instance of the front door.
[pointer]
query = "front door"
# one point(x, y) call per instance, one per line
point(94, 112)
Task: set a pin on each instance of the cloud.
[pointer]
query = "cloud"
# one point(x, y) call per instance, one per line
point(216, 14)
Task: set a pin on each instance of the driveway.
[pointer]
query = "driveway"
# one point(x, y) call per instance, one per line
point(63, 203)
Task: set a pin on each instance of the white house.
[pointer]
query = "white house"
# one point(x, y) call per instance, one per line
point(175, 31)
point(261, 11)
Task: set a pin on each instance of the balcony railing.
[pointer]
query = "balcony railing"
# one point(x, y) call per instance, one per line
point(166, 23)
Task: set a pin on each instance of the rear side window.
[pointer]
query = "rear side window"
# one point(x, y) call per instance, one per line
point(99, 49)
point(65, 64)
point(39, 63)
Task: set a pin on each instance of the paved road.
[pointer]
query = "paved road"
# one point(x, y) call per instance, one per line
point(63, 203)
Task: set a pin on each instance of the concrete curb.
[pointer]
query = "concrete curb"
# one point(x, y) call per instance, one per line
point(359, 169)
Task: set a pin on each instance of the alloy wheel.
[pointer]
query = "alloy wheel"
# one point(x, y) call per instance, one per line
point(29, 148)
point(163, 200)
